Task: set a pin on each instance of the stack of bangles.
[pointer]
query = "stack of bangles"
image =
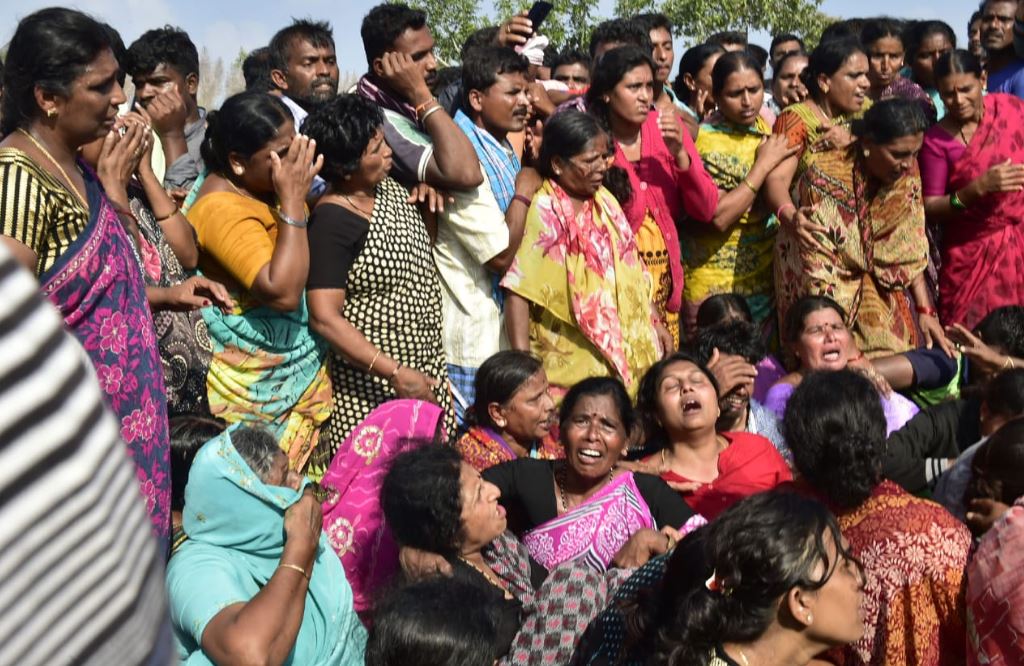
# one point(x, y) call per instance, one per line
point(955, 203)
point(424, 110)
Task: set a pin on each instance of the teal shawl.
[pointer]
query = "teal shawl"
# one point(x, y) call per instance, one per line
point(235, 533)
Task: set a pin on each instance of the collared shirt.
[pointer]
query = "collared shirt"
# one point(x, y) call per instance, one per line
point(183, 171)
point(299, 114)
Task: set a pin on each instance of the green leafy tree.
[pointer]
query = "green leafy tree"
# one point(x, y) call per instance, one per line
point(567, 26)
point(452, 22)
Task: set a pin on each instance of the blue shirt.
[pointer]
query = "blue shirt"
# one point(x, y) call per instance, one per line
point(1009, 79)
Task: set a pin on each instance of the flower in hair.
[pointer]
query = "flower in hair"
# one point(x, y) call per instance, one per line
point(716, 584)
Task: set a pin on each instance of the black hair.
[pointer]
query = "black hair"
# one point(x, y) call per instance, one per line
point(653, 21)
point(316, 33)
point(827, 59)
point(728, 37)
point(1004, 328)
point(615, 64)
point(484, 37)
point(799, 311)
point(889, 120)
point(957, 61)
point(760, 55)
point(976, 16)
point(566, 135)
point(880, 28)
point(997, 470)
point(571, 57)
point(421, 499)
point(1004, 393)
point(120, 51)
point(784, 59)
point(168, 45)
point(835, 426)
point(691, 63)
point(918, 31)
point(757, 550)
point(439, 621)
point(188, 434)
point(597, 386)
point(384, 24)
point(498, 379)
point(729, 64)
point(50, 49)
point(256, 69)
point(342, 128)
point(782, 39)
point(483, 64)
point(844, 29)
point(722, 308)
point(647, 395)
point(243, 125)
point(737, 338)
point(621, 31)
point(257, 446)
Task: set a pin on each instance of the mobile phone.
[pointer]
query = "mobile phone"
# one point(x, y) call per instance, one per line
point(538, 13)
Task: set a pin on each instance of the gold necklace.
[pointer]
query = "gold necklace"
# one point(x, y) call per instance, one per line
point(44, 151)
point(238, 191)
point(560, 482)
point(489, 577)
point(367, 213)
point(746, 662)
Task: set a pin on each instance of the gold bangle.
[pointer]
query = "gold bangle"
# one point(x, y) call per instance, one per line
point(369, 369)
point(168, 216)
point(752, 188)
point(294, 567)
point(1009, 363)
point(394, 373)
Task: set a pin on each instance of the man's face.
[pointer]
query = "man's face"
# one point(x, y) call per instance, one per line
point(163, 78)
point(311, 73)
point(419, 45)
point(997, 24)
point(504, 106)
point(663, 55)
point(783, 49)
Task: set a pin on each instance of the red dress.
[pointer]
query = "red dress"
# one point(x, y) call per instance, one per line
point(749, 465)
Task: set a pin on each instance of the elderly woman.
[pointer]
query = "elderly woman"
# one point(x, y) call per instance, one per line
point(872, 251)
point(381, 316)
point(434, 502)
point(972, 173)
point(712, 470)
point(250, 219)
point(666, 177)
point(67, 223)
point(579, 295)
point(256, 581)
point(912, 550)
point(512, 414)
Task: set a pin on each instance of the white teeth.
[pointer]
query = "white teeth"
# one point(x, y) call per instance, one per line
point(590, 453)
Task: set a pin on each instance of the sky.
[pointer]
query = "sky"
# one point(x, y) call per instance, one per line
point(225, 26)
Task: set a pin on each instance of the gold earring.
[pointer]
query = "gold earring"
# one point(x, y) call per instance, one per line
point(558, 172)
point(867, 152)
point(51, 112)
point(810, 618)
point(238, 170)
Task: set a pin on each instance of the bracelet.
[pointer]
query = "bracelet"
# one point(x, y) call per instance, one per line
point(291, 221)
point(394, 373)
point(523, 199)
point(925, 310)
point(420, 108)
point(426, 115)
point(783, 207)
point(752, 188)
point(955, 203)
point(1009, 365)
point(294, 567)
point(168, 216)
point(670, 541)
point(369, 369)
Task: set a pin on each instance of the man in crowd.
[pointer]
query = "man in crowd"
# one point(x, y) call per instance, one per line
point(257, 69)
point(664, 56)
point(1005, 69)
point(782, 46)
point(164, 66)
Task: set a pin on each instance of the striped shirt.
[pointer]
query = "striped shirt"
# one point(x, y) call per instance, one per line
point(81, 580)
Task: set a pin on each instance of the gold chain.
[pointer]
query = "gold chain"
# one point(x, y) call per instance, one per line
point(489, 576)
point(44, 151)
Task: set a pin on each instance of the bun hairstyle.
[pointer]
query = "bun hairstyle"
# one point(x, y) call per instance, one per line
point(244, 124)
point(889, 120)
point(754, 553)
point(827, 59)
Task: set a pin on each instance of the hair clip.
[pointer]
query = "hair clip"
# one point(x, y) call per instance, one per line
point(715, 584)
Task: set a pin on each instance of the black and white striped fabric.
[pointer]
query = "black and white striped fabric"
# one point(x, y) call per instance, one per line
point(81, 581)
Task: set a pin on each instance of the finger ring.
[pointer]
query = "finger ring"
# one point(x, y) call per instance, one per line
point(959, 347)
point(508, 27)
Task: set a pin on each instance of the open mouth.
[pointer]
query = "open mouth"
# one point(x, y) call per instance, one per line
point(589, 456)
point(691, 406)
point(831, 355)
point(500, 510)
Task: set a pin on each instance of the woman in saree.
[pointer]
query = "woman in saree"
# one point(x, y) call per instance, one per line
point(250, 221)
point(972, 173)
point(872, 250)
point(883, 42)
point(734, 253)
point(439, 506)
point(512, 414)
point(678, 402)
point(566, 509)
point(382, 317)
point(693, 84)
point(353, 520)
point(837, 86)
point(578, 294)
point(67, 223)
point(667, 180)
point(256, 581)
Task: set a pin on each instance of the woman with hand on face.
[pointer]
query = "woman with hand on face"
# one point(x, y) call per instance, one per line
point(666, 177)
point(679, 404)
point(373, 289)
point(250, 220)
point(693, 83)
point(972, 172)
point(512, 415)
point(872, 250)
point(734, 253)
point(67, 223)
point(578, 294)
point(787, 88)
point(883, 42)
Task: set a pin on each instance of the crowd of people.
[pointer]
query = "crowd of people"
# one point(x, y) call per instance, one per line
point(550, 357)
